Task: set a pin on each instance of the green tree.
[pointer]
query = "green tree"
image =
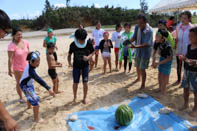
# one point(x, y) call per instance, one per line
point(67, 3)
point(144, 6)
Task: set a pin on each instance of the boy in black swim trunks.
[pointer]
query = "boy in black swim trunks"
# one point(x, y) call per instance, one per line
point(52, 64)
point(83, 52)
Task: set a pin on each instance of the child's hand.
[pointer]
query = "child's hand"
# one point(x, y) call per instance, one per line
point(10, 73)
point(155, 65)
point(86, 58)
point(59, 64)
point(51, 93)
point(191, 62)
point(119, 37)
point(182, 57)
point(56, 48)
point(108, 43)
point(132, 46)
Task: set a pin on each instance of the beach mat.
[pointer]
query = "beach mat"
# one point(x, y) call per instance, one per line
point(146, 117)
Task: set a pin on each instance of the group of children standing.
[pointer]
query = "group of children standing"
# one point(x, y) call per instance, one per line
point(185, 42)
point(121, 46)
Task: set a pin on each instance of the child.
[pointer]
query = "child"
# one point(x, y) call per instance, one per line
point(170, 39)
point(27, 86)
point(116, 38)
point(52, 64)
point(165, 63)
point(91, 62)
point(97, 34)
point(105, 47)
point(182, 40)
point(83, 52)
point(190, 73)
point(50, 39)
point(126, 52)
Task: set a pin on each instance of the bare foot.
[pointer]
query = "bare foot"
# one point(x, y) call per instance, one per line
point(176, 83)
point(40, 121)
point(58, 92)
point(129, 71)
point(22, 101)
point(137, 80)
point(74, 101)
point(85, 102)
point(157, 91)
point(142, 87)
point(183, 108)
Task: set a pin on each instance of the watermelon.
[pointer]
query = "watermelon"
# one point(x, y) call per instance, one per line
point(124, 115)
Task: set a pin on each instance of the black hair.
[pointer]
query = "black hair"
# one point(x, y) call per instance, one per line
point(143, 17)
point(118, 26)
point(81, 25)
point(187, 13)
point(81, 34)
point(50, 45)
point(29, 56)
point(163, 22)
point(4, 21)
point(171, 18)
point(127, 24)
point(15, 30)
point(194, 30)
point(163, 32)
point(98, 22)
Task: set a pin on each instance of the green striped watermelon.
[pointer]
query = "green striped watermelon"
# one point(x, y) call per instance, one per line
point(124, 115)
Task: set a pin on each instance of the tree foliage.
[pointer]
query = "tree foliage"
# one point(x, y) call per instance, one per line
point(144, 6)
point(73, 16)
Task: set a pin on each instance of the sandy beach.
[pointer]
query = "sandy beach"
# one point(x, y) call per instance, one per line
point(104, 90)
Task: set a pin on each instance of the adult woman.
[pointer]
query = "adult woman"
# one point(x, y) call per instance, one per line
point(50, 39)
point(17, 54)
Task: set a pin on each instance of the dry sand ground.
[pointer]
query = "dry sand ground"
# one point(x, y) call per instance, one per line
point(104, 90)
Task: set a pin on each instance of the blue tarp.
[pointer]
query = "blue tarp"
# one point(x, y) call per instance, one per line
point(146, 118)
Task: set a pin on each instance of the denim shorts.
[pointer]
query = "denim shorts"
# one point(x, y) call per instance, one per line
point(189, 80)
point(30, 94)
point(77, 73)
point(165, 68)
point(141, 63)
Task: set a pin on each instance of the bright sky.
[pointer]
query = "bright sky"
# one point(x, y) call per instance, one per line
point(17, 9)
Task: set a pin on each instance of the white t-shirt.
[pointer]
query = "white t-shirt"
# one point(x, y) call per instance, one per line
point(97, 35)
point(116, 37)
point(183, 38)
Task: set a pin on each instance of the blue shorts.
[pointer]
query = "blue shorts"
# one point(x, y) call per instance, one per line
point(189, 80)
point(30, 95)
point(77, 73)
point(165, 68)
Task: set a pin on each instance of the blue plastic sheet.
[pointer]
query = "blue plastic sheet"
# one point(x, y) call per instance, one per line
point(146, 117)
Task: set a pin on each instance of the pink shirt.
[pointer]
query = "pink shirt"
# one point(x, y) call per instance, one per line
point(20, 55)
